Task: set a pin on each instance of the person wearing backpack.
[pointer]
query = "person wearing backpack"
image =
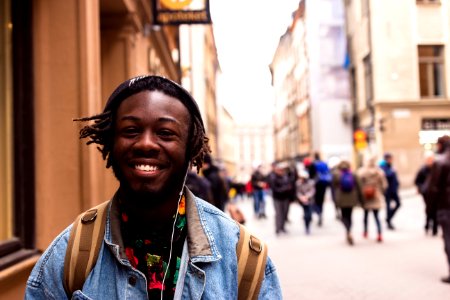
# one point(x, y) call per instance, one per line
point(347, 193)
point(154, 239)
point(372, 184)
point(322, 176)
point(391, 195)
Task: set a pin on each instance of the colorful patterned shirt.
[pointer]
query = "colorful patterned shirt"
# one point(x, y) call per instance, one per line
point(148, 252)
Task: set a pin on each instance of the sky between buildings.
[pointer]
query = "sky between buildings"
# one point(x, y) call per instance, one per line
point(247, 33)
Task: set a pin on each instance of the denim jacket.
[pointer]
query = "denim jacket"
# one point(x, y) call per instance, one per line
point(208, 267)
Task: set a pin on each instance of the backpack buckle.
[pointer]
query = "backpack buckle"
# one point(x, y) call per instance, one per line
point(89, 216)
point(255, 244)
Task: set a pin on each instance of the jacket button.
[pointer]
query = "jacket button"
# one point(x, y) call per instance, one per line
point(132, 280)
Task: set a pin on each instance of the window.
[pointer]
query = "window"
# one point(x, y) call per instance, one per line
point(431, 71)
point(16, 134)
point(368, 87)
point(428, 1)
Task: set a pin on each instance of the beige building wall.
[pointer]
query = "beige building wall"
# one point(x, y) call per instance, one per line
point(228, 142)
point(391, 36)
point(199, 65)
point(255, 147)
point(82, 49)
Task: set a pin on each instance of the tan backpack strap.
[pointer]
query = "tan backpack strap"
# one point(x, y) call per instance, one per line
point(85, 241)
point(251, 253)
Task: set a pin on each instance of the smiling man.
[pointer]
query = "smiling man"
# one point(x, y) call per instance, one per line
point(160, 241)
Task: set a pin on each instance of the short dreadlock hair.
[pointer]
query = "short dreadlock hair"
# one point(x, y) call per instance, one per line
point(101, 131)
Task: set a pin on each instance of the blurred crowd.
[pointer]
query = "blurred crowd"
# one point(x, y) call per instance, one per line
point(373, 186)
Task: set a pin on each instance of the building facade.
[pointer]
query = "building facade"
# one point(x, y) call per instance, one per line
point(311, 84)
point(200, 66)
point(60, 60)
point(400, 77)
point(255, 147)
point(228, 142)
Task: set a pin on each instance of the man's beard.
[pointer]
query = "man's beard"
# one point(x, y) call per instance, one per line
point(144, 198)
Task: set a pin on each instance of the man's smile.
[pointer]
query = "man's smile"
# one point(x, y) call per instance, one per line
point(146, 168)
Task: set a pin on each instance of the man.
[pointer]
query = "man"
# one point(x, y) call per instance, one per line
point(199, 186)
point(258, 181)
point(438, 193)
point(281, 188)
point(218, 185)
point(419, 182)
point(160, 241)
point(320, 172)
point(391, 194)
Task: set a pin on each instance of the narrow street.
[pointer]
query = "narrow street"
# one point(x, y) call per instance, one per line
point(406, 265)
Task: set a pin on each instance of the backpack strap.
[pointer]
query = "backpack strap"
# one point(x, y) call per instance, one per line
point(88, 232)
point(85, 241)
point(251, 254)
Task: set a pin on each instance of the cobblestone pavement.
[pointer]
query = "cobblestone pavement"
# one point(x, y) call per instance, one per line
point(407, 265)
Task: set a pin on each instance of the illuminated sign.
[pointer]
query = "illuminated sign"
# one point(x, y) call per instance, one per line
point(432, 129)
point(174, 12)
point(436, 124)
point(360, 139)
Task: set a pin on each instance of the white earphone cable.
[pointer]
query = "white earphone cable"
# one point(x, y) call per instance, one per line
point(171, 237)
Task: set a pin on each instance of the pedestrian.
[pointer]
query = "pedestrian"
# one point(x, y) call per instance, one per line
point(391, 193)
point(258, 184)
point(333, 164)
point(281, 193)
point(322, 176)
point(372, 183)
point(305, 196)
point(160, 241)
point(420, 180)
point(218, 184)
point(291, 172)
point(438, 193)
point(199, 186)
point(348, 195)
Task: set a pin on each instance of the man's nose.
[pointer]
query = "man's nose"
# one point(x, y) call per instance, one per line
point(147, 142)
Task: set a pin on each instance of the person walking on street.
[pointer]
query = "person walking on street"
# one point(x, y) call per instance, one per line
point(291, 172)
point(160, 241)
point(438, 192)
point(218, 184)
point(372, 183)
point(322, 176)
point(258, 184)
point(420, 180)
point(347, 192)
point(391, 193)
point(333, 164)
point(199, 186)
point(281, 194)
point(305, 196)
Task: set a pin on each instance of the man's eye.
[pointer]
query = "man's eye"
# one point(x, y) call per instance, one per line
point(130, 131)
point(165, 133)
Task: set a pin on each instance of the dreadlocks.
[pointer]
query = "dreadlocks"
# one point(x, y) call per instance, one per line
point(101, 131)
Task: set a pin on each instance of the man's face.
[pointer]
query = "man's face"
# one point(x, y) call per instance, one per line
point(150, 138)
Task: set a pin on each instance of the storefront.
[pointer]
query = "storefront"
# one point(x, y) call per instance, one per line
point(60, 60)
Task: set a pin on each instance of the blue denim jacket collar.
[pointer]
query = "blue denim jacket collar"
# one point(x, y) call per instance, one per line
point(201, 245)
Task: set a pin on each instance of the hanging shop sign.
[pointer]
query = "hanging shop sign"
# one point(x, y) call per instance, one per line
point(360, 139)
point(175, 12)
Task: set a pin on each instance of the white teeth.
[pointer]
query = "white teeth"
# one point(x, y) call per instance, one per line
point(146, 168)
